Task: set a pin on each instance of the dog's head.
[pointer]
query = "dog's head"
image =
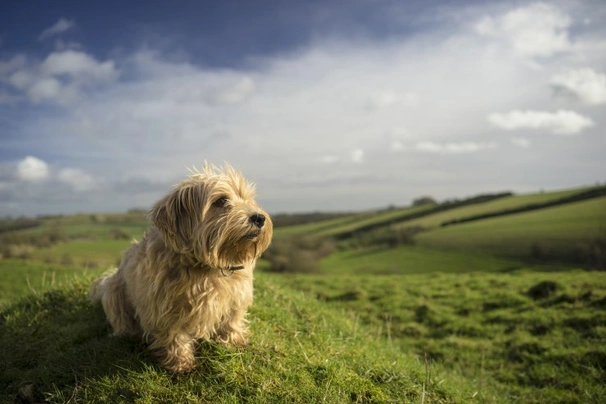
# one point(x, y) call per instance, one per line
point(213, 217)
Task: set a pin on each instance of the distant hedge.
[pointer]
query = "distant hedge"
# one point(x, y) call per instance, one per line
point(438, 208)
point(20, 223)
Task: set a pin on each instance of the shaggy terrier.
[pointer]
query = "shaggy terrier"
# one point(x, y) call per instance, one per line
point(191, 275)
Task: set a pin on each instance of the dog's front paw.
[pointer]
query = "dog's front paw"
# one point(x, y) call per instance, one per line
point(175, 355)
point(238, 339)
point(234, 338)
point(179, 364)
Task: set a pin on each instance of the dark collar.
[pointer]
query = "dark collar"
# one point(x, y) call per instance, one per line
point(231, 270)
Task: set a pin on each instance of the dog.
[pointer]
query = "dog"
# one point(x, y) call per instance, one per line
point(191, 275)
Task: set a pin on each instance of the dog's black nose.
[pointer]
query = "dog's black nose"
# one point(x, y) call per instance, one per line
point(258, 220)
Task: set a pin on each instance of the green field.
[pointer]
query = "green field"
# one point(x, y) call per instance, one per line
point(502, 204)
point(496, 310)
point(560, 229)
point(413, 260)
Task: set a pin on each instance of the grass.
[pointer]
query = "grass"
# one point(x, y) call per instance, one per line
point(560, 230)
point(101, 253)
point(24, 277)
point(55, 347)
point(413, 260)
point(526, 337)
point(98, 226)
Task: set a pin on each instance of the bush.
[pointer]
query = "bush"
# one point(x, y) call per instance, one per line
point(47, 239)
point(543, 290)
point(119, 234)
point(592, 254)
point(538, 251)
point(299, 254)
point(391, 237)
point(90, 264)
point(598, 253)
point(67, 259)
point(20, 223)
point(424, 200)
point(97, 218)
point(18, 251)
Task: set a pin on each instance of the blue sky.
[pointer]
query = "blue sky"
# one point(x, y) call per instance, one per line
point(325, 105)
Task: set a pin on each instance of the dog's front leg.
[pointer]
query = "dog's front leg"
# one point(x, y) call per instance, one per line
point(235, 330)
point(174, 352)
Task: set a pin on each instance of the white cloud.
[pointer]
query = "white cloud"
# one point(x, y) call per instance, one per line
point(60, 78)
point(538, 29)
point(77, 64)
point(357, 155)
point(47, 88)
point(329, 159)
point(32, 169)
point(560, 123)
point(584, 84)
point(59, 27)
point(521, 142)
point(236, 92)
point(20, 79)
point(453, 148)
point(77, 178)
point(389, 98)
point(396, 145)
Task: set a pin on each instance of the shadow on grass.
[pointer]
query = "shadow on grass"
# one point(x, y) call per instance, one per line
point(49, 344)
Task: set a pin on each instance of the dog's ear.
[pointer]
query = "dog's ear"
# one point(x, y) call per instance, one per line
point(176, 216)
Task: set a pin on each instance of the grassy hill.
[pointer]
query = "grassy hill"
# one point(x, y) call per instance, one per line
point(56, 347)
point(490, 311)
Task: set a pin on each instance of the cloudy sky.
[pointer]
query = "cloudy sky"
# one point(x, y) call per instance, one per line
point(325, 105)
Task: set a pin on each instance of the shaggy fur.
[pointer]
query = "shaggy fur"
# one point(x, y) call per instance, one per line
point(191, 276)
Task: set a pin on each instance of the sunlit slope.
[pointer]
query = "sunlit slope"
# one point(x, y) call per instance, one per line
point(496, 206)
point(301, 351)
point(561, 230)
point(406, 260)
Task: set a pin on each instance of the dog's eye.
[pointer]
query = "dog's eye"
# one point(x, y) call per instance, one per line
point(220, 203)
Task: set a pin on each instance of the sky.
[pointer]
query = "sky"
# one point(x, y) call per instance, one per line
point(325, 105)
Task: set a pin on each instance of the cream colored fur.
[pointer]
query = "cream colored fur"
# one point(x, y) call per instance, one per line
point(191, 275)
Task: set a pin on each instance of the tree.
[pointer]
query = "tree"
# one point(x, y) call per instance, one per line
point(424, 200)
